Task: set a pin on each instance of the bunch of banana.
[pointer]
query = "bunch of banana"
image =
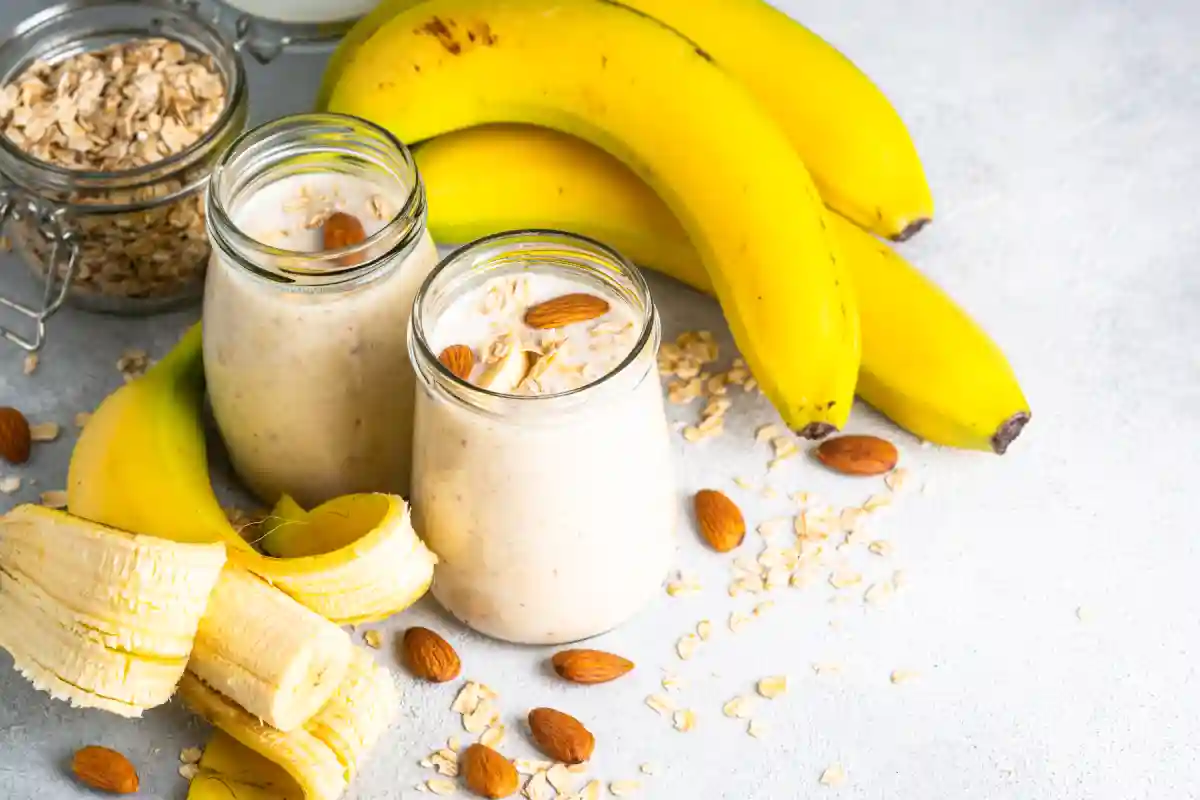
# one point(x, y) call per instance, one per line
point(140, 466)
point(630, 84)
point(925, 363)
point(98, 617)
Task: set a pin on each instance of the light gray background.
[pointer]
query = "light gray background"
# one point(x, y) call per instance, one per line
point(1062, 139)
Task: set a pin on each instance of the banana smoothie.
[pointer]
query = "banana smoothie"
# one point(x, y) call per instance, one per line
point(305, 320)
point(542, 473)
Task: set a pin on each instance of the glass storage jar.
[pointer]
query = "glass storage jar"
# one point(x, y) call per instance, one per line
point(552, 515)
point(305, 348)
point(128, 241)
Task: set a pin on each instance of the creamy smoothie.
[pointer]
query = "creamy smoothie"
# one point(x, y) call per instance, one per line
point(311, 385)
point(544, 480)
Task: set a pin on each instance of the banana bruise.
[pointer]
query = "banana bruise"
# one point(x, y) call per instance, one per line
point(98, 617)
point(925, 364)
point(274, 657)
point(323, 755)
point(627, 83)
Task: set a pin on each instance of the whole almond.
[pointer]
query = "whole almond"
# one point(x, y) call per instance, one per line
point(566, 309)
point(343, 230)
point(427, 655)
point(487, 773)
point(104, 769)
point(561, 736)
point(589, 666)
point(15, 437)
point(720, 520)
point(858, 455)
point(459, 359)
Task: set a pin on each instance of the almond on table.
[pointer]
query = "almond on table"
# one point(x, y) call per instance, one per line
point(720, 520)
point(589, 666)
point(428, 656)
point(858, 455)
point(104, 769)
point(561, 736)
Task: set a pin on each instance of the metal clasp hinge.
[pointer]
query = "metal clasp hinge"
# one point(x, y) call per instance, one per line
point(50, 225)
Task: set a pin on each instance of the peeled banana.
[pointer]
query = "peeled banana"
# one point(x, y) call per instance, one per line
point(653, 98)
point(140, 466)
point(231, 771)
point(925, 363)
point(851, 138)
point(97, 617)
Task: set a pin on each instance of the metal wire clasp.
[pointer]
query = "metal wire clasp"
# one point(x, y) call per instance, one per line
point(51, 225)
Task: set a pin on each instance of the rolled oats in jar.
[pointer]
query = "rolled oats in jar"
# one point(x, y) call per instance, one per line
point(112, 115)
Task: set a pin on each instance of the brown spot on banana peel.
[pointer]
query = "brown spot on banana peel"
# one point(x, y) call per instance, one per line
point(1009, 430)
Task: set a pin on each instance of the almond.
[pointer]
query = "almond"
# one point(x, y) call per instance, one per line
point(589, 666)
point(459, 359)
point(561, 736)
point(564, 310)
point(343, 230)
point(427, 655)
point(720, 520)
point(858, 455)
point(104, 769)
point(15, 437)
point(487, 773)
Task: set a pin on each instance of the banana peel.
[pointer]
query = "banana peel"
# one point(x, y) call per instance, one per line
point(231, 771)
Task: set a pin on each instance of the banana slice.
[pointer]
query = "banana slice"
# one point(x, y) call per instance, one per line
point(98, 617)
point(505, 371)
point(325, 753)
point(277, 659)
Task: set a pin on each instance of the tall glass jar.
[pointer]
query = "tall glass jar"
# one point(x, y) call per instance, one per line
point(552, 515)
point(304, 332)
point(129, 241)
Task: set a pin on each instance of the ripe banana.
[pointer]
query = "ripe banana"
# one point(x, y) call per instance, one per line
point(640, 90)
point(231, 771)
point(140, 466)
point(323, 755)
point(97, 617)
point(274, 657)
point(925, 363)
point(851, 138)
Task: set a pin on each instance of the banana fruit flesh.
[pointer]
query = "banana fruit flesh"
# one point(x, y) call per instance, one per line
point(925, 363)
point(231, 771)
point(140, 466)
point(651, 97)
point(855, 145)
point(97, 617)
point(323, 755)
point(274, 657)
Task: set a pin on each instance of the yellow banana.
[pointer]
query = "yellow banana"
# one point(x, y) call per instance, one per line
point(925, 363)
point(648, 95)
point(854, 143)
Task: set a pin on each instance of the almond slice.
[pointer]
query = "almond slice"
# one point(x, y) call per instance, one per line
point(565, 310)
point(459, 359)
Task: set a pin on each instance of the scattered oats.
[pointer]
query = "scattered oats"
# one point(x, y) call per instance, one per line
point(803, 577)
point(843, 577)
point(896, 479)
point(850, 519)
point(43, 431)
point(773, 526)
point(738, 620)
point(827, 668)
point(661, 703)
point(561, 778)
point(426, 763)
point(769, 493)
point(538, 788)
point(740, 707)
point(1082, 614)
point(420, 787)
point(56, 498)
point(493, 736)
point(763, 607)
point(746, 563)
point(5, 242)
point(577, 769)
point(744, 483)
point(190, 755)
point(834, 775)
point(373, 639)
point(31, 364)
point(685, 720)
point(750, 385)
point(757, 728)
point(767, 433)
point(531, 766)
point(750, 584)
point(684, 584)
point(483, 717)
point(441, 786)
point(899, 579)
point(469, 697)
point(10, 484)
point(902, 676)
point(673, 683)
point(877, 501)
point(686, 646)
point(777, 577)
point(592, 791)
point(704, 629)
point(445, 762)
point(772, 686)
point(453, 743)
point(647, 769)
point(880, 547)
point(189, 771)
point(82, 418)
point(622, 788)
point(878, 593)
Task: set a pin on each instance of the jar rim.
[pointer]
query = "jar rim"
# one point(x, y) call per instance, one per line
point(231, 67)
point(423, 357)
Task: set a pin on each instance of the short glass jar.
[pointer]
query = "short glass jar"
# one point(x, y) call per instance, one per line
point(552, 515)
point(304, 348)
point(129, 241)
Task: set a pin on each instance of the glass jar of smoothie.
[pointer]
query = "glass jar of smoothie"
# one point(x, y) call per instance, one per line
point(317, 223)
point(542, 473)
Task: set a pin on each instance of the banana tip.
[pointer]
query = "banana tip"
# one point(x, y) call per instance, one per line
point(1009, 430)
point(911, 229)
point(816, 430)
